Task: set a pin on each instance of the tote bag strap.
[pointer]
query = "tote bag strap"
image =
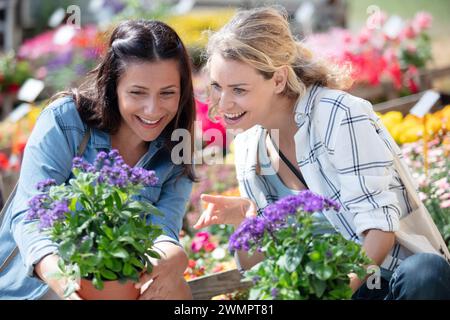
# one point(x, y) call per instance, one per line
point(80, 150)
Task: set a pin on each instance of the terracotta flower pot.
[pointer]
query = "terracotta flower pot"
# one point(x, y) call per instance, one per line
point(112, 290)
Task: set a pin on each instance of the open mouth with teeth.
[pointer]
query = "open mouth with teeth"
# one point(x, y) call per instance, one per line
point(234, 116)
point(149, 122)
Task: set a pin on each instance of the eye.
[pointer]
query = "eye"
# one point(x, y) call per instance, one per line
point(215, 86)
point(167, 93)
point(238, 91)
point(136, 92)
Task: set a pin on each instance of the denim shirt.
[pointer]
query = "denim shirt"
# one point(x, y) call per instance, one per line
point(51, 147)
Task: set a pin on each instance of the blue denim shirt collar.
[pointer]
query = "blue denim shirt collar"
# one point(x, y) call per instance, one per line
point(101, 140)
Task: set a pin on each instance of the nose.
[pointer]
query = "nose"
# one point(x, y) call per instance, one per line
point(224, 102)
point(150, 106)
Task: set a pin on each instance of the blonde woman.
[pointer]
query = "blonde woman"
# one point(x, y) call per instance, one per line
point(265, 82)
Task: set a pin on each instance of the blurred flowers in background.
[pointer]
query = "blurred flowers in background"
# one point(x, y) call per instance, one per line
point(385, 49)
point(63, 56)
point(434, 188)
point(409, 128)
point(13, 73)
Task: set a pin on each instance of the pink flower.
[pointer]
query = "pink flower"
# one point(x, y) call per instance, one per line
point(422, 196)
point(422, 21)
point(200, 240)
point(202, 236)
point(364, 36)
point(445, 204)
point(422, 180)
point(207, 124)
point(409, 32)
point(445, 196)
point(443, 184)
point(196, 246)
point(390, 56)
point(209, 246)
point(41, 73)
point(377, 19)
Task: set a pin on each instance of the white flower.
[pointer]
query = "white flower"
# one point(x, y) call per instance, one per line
point(218, 253)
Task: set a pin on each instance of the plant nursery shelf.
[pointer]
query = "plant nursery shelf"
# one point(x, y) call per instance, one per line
point(208, 286)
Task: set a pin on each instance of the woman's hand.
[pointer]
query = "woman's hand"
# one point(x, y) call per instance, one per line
point(47, 269)
point(166, 282)
point(225, 210)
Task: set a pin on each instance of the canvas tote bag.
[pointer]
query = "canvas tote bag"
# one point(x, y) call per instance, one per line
point(418, 232)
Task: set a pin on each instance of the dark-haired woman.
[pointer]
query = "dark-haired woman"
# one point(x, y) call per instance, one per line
point(137, 96)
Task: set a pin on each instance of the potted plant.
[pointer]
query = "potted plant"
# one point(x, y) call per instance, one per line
point(299, 263)
point(101, 225)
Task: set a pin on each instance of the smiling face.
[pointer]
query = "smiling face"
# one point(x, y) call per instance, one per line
point(242, 95)
point(148, 95)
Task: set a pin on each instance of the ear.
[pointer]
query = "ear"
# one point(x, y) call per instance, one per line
point(280, 79)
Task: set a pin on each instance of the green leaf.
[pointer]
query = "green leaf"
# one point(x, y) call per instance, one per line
point(120, 253)
point(315, 256)
point(117, 200)
point(108, 275)
point(128, 269)
point(108, 232)
point(91, 261)
point(109, 202)
point(153, 254)
point(137, 263)
point(113, 264)
point(294, 258)
point(319, 287)
point(324, 272)
point(67, 249)
point(73, 204)
point(86, 245)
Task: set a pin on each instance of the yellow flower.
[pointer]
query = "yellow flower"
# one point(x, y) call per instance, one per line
point(190, 26)
point(411, 134)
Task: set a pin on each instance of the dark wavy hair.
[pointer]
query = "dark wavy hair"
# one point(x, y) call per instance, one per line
point(135, 41)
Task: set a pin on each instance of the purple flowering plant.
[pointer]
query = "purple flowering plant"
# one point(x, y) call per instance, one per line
point(99, 220)
point(300, 262)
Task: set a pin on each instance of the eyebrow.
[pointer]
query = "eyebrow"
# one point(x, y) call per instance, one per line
point(231, 85)
point(145, 88)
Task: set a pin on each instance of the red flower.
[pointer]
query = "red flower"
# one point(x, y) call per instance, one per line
point(192, 264)
point(210, 246)
point(207, 124)
point(13, 88)
point(4, 162)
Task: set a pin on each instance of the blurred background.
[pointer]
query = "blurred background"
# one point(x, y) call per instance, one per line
point(398, 50)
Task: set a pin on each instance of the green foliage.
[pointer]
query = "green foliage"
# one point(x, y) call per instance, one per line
point(106, 235)
point(300, 265)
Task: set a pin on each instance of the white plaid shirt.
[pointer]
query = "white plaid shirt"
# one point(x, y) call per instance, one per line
point(344, 153)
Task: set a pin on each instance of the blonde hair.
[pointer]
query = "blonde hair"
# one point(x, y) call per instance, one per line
point(261, 38)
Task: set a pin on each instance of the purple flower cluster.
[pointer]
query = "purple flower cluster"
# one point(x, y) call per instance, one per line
point(45, 184)
point(48, 212)
point(275, 217)
point(113, 170)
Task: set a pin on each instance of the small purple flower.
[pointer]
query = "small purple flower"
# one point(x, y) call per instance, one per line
point(250, 232)
point(256, 279)
point(79, 163)
point(113, 170)
point(100, 159)
point(37, 205)
point(45, 211)
point(43, 185)
point(275, 217)
point(274, 293)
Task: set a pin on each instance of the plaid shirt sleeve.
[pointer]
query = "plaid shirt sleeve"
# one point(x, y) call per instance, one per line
point(364, 164)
